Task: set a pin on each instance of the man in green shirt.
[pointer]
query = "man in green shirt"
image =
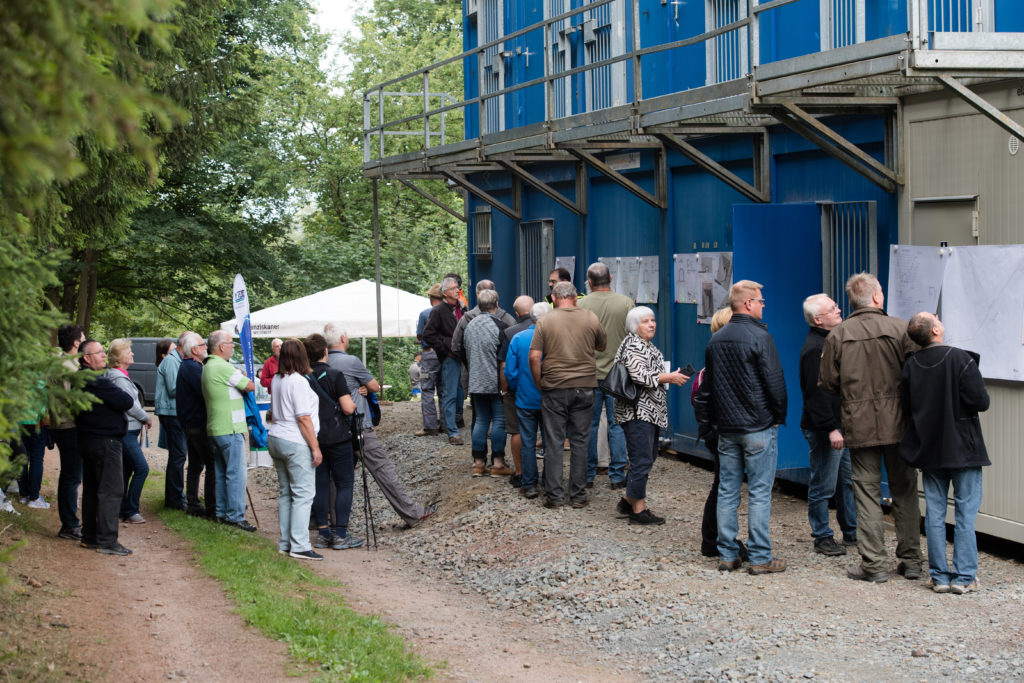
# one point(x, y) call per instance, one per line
point(611, 309)
point(223, 386)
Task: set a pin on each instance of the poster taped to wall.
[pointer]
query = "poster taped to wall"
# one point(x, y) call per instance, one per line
point(647, 291)
point(569, 263)
point(634, 276)
point(915, 279)
point(686, 276)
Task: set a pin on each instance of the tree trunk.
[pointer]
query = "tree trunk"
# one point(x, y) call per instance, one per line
point(86, 289)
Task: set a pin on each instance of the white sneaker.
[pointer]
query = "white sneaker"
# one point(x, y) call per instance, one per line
point(959, 589)
point(39, 504)
point(5, 505)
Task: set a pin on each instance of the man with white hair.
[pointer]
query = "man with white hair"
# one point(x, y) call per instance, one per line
point(438, 331)
point(820, 422)
point(861, 363)
point(482, 339)
point(562, 364)
point(460, 328)
point(223, 386)
point(192, 415)
point(270, 364)
point(375, 456)
point(165, 408)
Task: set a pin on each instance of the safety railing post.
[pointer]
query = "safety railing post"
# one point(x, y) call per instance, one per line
point(366, 128)
point(753, 35)
point(549, 81)
point(426, 108)
point(634, 45)
point(482, 107)
point(380, 108)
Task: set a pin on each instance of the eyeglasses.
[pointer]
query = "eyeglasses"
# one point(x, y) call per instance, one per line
point(760, 301)
point(101, 352)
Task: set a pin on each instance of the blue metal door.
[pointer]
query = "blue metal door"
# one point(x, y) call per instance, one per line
point(779, 245)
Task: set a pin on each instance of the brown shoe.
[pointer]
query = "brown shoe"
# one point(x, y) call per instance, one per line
point(456, 440)
point(774, 566)
point(480, 470)
point(730, 566)
point(502, 471)
point(425, 432)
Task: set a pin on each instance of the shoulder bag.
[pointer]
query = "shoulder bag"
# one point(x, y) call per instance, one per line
point(619, 384)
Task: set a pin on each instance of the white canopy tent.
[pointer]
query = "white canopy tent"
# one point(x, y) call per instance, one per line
point(352, 306)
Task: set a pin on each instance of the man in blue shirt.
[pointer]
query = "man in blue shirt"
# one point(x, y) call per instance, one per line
point(520, 382)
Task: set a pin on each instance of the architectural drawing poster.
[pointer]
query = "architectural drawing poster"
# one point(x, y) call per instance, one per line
point(915, 279)
point(569, 263)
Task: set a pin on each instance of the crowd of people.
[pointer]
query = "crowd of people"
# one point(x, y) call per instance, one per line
point(876, 390)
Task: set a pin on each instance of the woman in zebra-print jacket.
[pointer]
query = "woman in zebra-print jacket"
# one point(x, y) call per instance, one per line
point(643, 422)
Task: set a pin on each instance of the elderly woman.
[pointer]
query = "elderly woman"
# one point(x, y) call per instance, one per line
point(136, 469)
point(293, 447)
point(643, 421)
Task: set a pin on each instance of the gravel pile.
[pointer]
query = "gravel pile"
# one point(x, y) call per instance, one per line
point(644, 601)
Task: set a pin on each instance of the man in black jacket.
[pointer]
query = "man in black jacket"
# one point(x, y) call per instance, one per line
point(744, 394)
point(942, 392)
point(100, 430)
point(829, 460)
point(438, 333)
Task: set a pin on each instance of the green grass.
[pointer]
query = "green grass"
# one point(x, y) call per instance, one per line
point(287, 602)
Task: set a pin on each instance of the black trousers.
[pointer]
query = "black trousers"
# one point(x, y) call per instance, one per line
point(200, 456)
point(102, 488)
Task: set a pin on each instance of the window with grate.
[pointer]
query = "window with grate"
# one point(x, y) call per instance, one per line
point(561, 52)
point(482, 232)
point(604, 36)
point(536, 256)
point(492, 77)
point(842, 23)
point(726, 54)
point(849, 233)
point(959, 16)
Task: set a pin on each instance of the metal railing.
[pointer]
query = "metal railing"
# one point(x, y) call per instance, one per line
point(744, 30)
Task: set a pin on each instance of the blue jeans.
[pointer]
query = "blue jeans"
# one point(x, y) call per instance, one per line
point(33, 441)
point(529, 423)
point(616, 439)
point(830, 476)
point(488, 413)
point(757, 452)
point(642, 439)
point(966, 502)
point(451, 372)
point(136, 469)
point(70, 477)
point(230, 472)
point(177, 450)
point(297, 481)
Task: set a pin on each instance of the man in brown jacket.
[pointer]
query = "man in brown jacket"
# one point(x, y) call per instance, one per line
point(861, 362)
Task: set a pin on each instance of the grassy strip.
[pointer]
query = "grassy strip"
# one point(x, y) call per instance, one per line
point(288, 602)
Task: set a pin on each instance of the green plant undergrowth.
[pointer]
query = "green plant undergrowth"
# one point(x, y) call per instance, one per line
point(288, 602)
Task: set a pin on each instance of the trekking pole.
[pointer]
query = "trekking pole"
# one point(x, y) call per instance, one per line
point(370, 529)
point(252, 507)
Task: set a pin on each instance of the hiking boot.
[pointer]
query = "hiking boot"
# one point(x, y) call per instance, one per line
point(322, 541)
point(581, 503)
point(530, 492)
point(345, 542)
point(425, 432)
point(501, 471)
point(907, 572)
point(858, 573)
point(645, 517)
point(456, 440)
point(773, 566)
point(116, 549)
point(72, 534)
point(515, 481)
point(828, 546)
point(552, 503)
point(730, 566)
point(480, 470)
point(243, 525)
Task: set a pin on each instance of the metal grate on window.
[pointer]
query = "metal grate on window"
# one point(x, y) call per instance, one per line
point(849, 245)
point(482, 233)
point(842, 23)
point(560, 51)
point(726, 54)
point(536, 257)
point(493, 76)
point(963, 16)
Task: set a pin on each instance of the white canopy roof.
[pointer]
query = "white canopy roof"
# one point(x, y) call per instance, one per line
point(352, 306)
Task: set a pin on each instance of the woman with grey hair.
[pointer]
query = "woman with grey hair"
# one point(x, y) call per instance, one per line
point(643, 421)
point(119, 358)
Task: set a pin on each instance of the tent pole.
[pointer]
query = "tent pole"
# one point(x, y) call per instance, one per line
point(364, 351)
point(376, 263)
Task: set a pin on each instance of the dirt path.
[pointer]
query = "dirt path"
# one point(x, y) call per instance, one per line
point(156, 616)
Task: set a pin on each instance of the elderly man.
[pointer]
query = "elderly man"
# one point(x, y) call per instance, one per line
point(165, 407)
point(611, 309)
point(554, 277)
point(942, 392)
point(223, 386)
point(562, 364)
point(438, 333)
point(192, 415)
point(820, 422)
point(861, 363)
point(269, 368)
point(744, 395)
point(516, 371)
point(482, 339)
point(65, 436)
point(521, 307)
point(375, 456)
point(100, 430)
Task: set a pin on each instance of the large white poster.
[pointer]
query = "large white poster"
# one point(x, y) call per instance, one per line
point(915, 279)
point(983, 307)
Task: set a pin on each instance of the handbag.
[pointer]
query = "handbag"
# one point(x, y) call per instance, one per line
point(619, 384)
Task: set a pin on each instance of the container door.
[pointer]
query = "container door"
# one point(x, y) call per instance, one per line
point(779, 245)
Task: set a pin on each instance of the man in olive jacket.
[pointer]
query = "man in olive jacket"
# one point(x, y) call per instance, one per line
point(861, 362)
point(942, 393)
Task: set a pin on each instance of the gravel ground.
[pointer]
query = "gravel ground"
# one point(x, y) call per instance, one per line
point(646, 602)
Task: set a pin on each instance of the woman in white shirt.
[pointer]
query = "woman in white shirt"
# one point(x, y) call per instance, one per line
point(295, 408)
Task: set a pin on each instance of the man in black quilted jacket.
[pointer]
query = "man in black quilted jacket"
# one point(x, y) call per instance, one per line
point(744, 395)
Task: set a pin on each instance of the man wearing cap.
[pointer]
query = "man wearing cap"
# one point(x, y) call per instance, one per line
point(430, 371)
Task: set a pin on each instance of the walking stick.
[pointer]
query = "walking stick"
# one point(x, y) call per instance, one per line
point(252, 507)
point(370, 529)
